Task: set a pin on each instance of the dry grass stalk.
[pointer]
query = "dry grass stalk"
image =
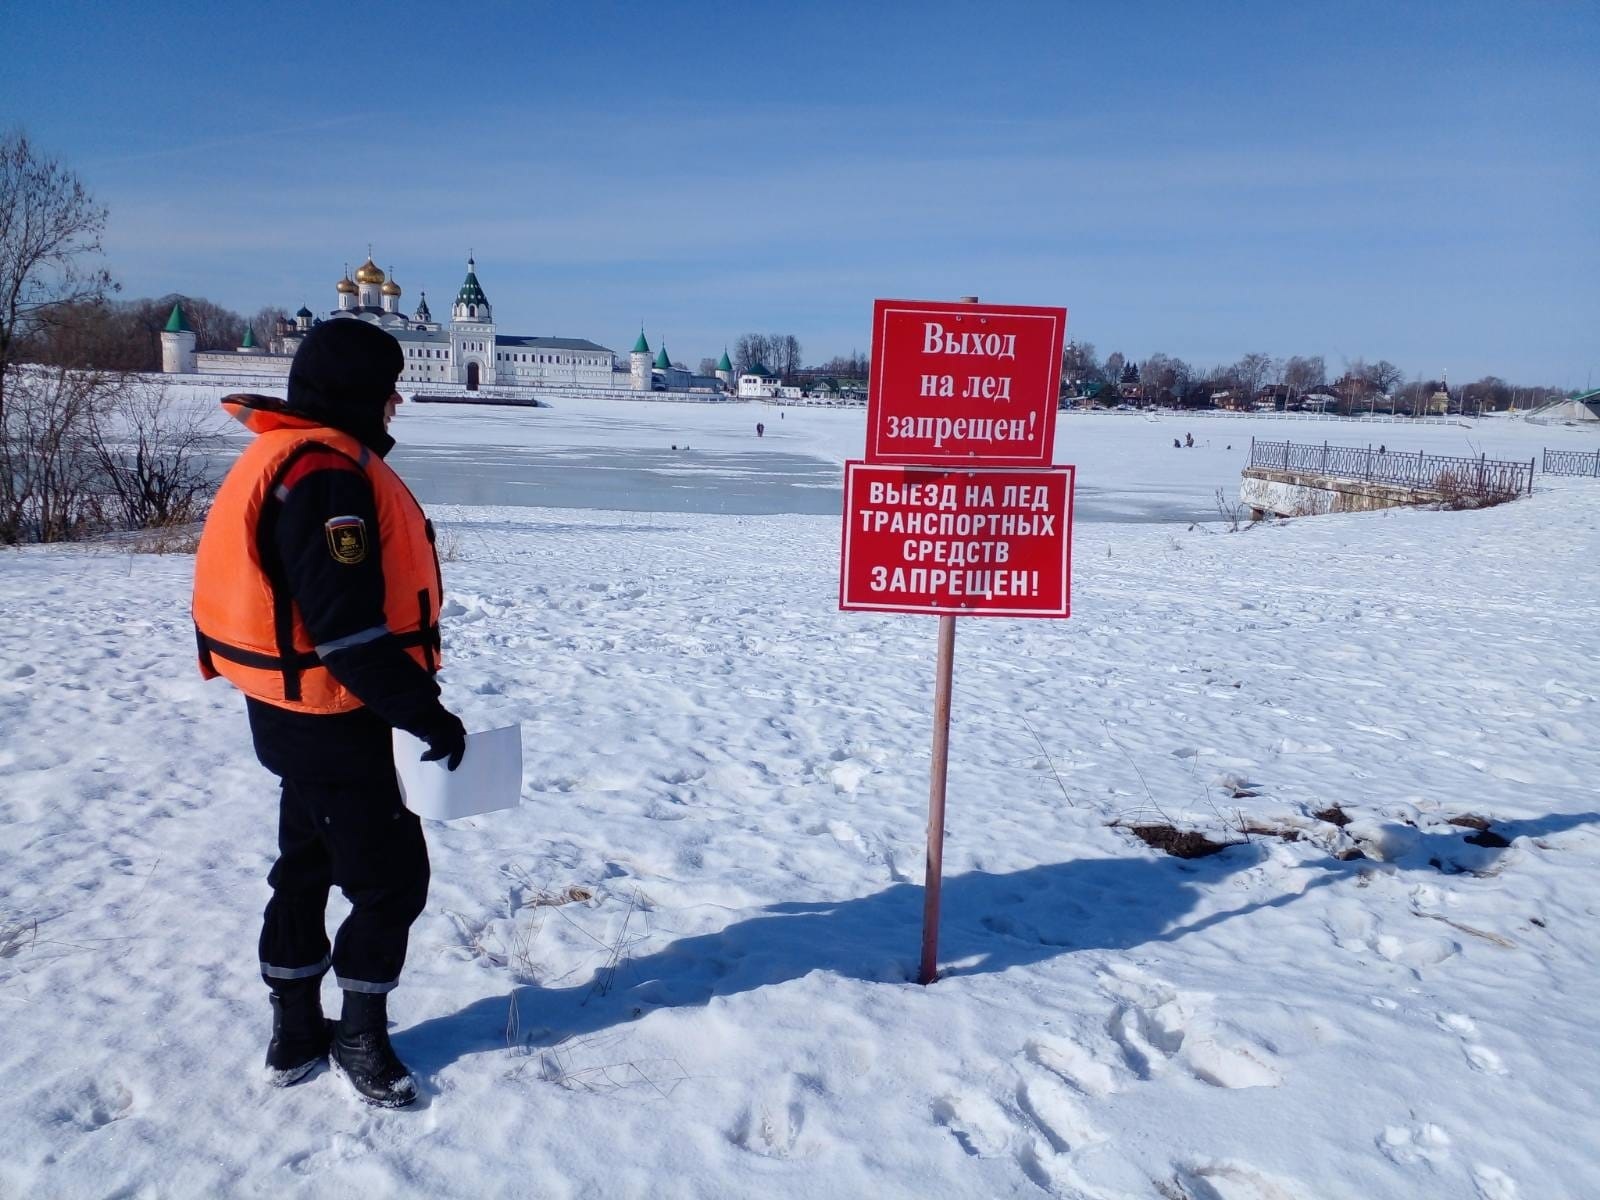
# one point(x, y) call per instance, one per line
point(1052, 762)
point(557, 1065)
point(1459, 491)
point(17, 936)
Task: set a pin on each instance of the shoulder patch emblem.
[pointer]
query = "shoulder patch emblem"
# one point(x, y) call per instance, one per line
point(347, 539)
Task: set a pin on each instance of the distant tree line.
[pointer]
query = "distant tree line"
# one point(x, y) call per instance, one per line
point(1259, 380)
point(780, 354)
point(103, 334)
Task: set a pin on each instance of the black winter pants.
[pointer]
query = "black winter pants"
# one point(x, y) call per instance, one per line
point(355, 833)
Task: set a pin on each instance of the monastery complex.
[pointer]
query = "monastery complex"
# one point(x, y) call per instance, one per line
point(467, 353)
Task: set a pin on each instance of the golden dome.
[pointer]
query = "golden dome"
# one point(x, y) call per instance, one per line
point(391, 288)
point(369, 272)
point(345, 286)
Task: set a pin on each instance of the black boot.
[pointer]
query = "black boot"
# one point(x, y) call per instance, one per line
point(362, 1054)
point(300, 1034)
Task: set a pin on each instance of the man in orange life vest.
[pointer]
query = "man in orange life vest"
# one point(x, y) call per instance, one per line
point(317, 594)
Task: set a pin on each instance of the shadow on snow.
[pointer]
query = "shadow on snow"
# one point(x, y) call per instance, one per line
point(990, 923)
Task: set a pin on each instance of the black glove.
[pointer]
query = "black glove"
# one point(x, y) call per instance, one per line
point(447, 739)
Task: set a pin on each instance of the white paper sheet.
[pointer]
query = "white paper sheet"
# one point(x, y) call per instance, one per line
point(488, 779)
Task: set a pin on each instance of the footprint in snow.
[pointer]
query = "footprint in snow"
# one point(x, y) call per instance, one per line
point(1479, 1057)
point(682, 776)
point(770, 1128)
point(1052, 1129)
point(978, 1124)
point(1232, 1180)
point(846, 777)
point(1409, 1145)
point(1157, 1027)
point(1055, 1113)
point(97, 1106)
point(1077, 1066)
point(1415, 953)
point(1493, 1184)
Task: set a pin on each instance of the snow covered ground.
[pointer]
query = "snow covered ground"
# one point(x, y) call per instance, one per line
point(681, 968)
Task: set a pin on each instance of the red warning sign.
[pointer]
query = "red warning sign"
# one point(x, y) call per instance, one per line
point(964, 541)
point(978, 383)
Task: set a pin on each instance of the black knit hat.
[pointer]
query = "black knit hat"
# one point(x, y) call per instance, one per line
point(344, 372)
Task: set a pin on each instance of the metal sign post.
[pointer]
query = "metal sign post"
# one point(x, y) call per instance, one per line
point(934, 877)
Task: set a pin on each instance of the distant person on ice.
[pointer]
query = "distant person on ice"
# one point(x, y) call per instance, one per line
point(1188, 439)
point(760, 429)
point(317, 594)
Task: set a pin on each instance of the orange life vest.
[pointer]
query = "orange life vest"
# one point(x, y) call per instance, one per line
point(248, 628)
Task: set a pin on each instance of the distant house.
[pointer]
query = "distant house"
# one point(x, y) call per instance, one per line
point(758, 383)
point(1318, 402)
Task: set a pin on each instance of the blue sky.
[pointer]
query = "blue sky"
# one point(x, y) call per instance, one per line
point(1381, 180)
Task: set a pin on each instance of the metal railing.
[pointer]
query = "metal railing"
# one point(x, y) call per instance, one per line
point(1572, 462)
point(1436, 472)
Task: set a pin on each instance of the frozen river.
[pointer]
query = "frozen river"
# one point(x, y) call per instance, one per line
point(632, 479)
point(637, 479)
point(632, 456)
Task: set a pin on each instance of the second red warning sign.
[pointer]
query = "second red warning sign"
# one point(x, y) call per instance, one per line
point(971, 542)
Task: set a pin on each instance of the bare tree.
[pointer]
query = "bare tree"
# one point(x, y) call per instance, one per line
point(1491, 393)
point(749, 350)
point(1079, 365)
point(1163, 378)
point(785, 352)
point(48, 225)
point(854, 365)
point(152, 454)
point(708, 367)
point(1251, 372)
point(1304, 375)
point(266, 322)
point(1384, 376)
point(777, 352)
point(47, 492)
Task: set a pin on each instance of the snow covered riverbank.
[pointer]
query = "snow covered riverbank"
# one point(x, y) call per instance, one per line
point(680, 968)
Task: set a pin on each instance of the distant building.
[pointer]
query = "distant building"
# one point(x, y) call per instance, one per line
point(758, 383)
point(659, 375)
point(469, 350)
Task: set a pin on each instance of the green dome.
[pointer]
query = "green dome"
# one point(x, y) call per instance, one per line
point(471, 292)
point(662, 361)
point(722, 363)
point(249, 342)
point(758, 369)
point(177, 322)
point(641, 346)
